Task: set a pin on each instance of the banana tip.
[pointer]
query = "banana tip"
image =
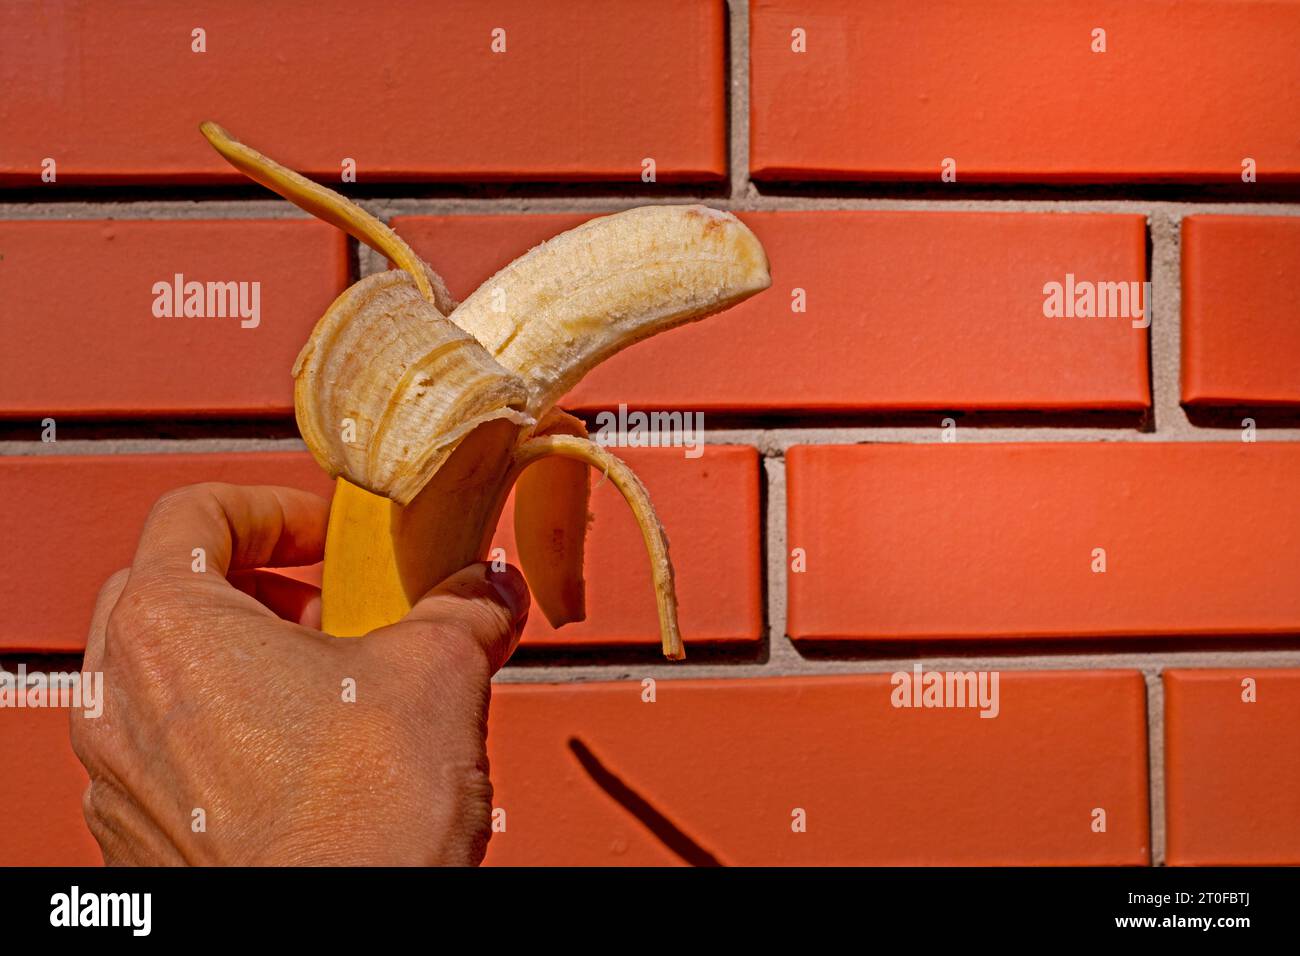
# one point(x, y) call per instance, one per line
point(213, 131)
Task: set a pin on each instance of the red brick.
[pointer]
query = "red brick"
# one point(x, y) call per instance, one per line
point(70, 522)
point(81, 337)
point(710, 507)
point(905, 310)
point(75, 520)
point(40, 793)
point(1241, 323)
point(728, 761)
point(1012, 91)
point(114, 93)
point(996, 540)
point(1232, 769)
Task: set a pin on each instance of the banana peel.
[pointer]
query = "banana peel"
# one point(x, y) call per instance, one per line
point(428, 413)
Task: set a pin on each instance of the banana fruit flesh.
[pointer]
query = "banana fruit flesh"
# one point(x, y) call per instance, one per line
point(428, 413)
point(557, 312)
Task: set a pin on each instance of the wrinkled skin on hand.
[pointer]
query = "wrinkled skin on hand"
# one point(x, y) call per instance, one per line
point(221, 695)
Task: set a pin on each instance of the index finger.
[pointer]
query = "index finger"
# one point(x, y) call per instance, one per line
point(236, 527)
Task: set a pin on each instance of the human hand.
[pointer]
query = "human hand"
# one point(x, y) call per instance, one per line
point(227, 735)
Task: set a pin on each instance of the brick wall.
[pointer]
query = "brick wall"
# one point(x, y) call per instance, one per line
point(910, 467)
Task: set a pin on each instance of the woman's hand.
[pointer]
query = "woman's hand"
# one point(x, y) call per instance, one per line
point(235, 732)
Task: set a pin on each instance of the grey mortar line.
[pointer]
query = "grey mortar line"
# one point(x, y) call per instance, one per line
point(565, 671)
point(738, 99)
point(271, 208)
point(772, 443)
point(1156, 762)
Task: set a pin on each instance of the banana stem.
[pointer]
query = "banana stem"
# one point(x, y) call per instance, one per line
point(638, 499)
point(321, 202)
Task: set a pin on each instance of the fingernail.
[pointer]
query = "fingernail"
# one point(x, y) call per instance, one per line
point(512, 588)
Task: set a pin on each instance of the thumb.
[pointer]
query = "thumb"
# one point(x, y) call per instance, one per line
point(477, 605)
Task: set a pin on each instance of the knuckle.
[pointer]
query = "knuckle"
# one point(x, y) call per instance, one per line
point(90, 802)
point(97, 810)
point(94, 807)
point(126, 616)
point(490, 619)
point(148, 604)
point(140, 628)
point(114, 584)
point(203, 495)
point(118, 626)
point(471, 635)
point(423, 653)
point(462, 655)
point(94, 741)
point(83, 738)
point(187, 494)
point(170, 500)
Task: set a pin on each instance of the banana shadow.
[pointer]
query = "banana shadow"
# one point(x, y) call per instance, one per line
point(662, 828)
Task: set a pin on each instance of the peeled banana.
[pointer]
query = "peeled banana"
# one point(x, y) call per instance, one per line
point(428, 412)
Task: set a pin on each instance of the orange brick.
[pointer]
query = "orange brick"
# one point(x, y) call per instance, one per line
point(997, 540)
point(467, 250)
point(1232, 768)
point(710, 507)
point(1012, 90)
point(95, 506)
point(82, 338)
point(114, 92)
point(727, 762)
point(72, 521)
point(905, 310)
point(1241, 323)
point(40, 792)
